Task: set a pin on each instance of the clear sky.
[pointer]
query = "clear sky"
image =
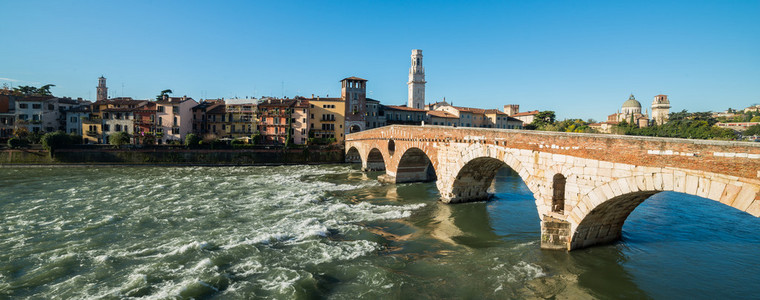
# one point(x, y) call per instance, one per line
point(579, 58)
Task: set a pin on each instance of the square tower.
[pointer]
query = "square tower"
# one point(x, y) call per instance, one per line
point(354, 93)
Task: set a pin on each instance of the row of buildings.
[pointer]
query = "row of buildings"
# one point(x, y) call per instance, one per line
point(270, 120)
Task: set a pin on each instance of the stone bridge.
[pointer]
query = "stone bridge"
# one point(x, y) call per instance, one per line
point(585, 185)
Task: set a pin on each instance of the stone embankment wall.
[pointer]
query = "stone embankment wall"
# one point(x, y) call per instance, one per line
point(173, 156)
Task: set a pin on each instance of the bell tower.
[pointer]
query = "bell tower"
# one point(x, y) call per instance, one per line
point(416, 81)
point(102, 90)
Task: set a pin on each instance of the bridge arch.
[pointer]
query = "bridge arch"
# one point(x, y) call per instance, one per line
point(374, 161)
point(353, 155)
point(474, 171)
point(600, 215)
point(415, 165)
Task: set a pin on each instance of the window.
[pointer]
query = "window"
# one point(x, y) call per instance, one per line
point(51, 107)
point(106, 127)
point(36, 106)
point(117, 128)
point(23, 105)
point(175, 130)
point(160, 108)
point(73, 119)
point(558, 196)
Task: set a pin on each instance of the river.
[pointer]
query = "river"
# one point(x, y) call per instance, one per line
point(332, 231)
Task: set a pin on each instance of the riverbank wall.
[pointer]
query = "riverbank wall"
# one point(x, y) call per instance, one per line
point(172, 156)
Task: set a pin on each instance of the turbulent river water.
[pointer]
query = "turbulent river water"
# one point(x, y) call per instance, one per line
point(332, 231)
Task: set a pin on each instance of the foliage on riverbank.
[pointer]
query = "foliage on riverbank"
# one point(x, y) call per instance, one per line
point(698, 125)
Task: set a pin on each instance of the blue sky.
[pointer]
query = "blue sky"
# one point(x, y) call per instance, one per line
point(579, 58)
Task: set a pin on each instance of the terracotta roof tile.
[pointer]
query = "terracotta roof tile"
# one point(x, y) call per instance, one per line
point(404, 108)
point(441, 114)
point(527, 113)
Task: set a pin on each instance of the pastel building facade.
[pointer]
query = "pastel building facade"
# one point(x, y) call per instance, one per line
point(174, 115)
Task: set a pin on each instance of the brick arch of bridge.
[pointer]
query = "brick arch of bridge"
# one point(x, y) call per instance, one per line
point(413, 157)
point(391, 159)
point(353, 155)
point(471, 168)
point(599, 216)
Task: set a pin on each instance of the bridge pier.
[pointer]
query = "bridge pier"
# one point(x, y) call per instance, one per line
point(555, 234)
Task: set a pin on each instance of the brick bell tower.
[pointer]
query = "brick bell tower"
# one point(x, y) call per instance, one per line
point(102, 90)
point(354, 93)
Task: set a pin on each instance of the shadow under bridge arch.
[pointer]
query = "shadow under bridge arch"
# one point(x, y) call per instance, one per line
point(415, 166)
point(474, 179)
point(375, 161)
point(353, 156)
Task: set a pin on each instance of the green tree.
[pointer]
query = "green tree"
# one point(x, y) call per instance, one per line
point(45, 90)
point(119, 138)
point(192, 140)
point(52, 141)
point(76, 139)
point(543, 118)
point(16, 143)
point(149, 139)
point(163, 93)
point(752, 130)
point(255, 137)
point(27, 90)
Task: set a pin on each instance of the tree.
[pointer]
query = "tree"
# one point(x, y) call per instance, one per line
point(27, 90)
point(192, 140)
point(15, 143)
point(119, 138)
point(543, 118)
point(24, 90)
point(149, 139)
point(163, 93)
point(255, 137)
point(755, 119)
point(52, 141)
point(752, 130)
point(45, 90)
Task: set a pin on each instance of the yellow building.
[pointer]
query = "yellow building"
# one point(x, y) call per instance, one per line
point(241, 119)
point(92, 128)
point(326, 118)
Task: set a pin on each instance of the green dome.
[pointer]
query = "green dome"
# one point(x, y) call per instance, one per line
point(631, 102)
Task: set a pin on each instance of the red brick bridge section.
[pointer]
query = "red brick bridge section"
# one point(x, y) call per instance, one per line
point(585, 185)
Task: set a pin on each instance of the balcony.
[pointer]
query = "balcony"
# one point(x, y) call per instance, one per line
point(92, 133)
point(144, 122)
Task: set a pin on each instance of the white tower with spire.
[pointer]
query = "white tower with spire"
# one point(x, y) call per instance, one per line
point(416, 81)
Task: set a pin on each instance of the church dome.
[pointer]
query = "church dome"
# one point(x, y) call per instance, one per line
point(632, 103)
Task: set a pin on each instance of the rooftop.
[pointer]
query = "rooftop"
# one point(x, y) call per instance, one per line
point(441, 114)
point(526, 113)
point(404, 108)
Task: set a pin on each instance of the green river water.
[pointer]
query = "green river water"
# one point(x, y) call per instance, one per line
point(331, 231)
